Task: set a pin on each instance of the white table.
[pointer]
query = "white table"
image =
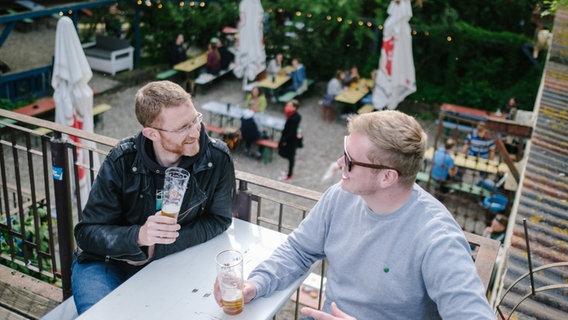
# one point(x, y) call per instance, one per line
point(235, 112)
point(180, 286)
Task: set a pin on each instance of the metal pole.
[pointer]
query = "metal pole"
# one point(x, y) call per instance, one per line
point(63, 207)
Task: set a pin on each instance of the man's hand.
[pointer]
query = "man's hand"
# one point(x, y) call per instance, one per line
point(336, 314)
point(158, 229)
point(249, 292)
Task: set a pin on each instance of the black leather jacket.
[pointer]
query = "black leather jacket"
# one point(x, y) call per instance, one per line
point(124, 194)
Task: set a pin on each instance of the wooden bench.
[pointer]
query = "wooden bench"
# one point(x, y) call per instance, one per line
point(166, 74)
point(469, 188)
point(286, 97)
point(97, 117)
point(269, 146)
point(206, 78)
point(213, 129)
point(37, 108)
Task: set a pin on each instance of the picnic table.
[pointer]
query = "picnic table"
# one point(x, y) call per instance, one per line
point(352, 95)
point(472, 162)
point(235, 112)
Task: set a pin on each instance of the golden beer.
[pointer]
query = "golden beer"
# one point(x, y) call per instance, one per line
point(170, 211)
point(233, 307)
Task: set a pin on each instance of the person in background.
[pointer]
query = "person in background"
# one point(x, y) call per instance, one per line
point(298, 75)
point(443, 168)
point(251, 132)
point(334, 87)
point(226, 56)
point(177, 51)
point(113, 24)
point(497, 229)
point(351, 77)
point(122, 230)
point(213, 65)
point(368, 98)
point(275, 65)
point(479, 143)
point(392, 250)
point(255, 100)
point(510, 108)
point(289, 139)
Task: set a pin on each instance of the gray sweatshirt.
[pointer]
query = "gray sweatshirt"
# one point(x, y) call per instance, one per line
point(414, 263)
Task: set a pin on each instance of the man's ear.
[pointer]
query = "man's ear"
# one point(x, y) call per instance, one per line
point(151, 134)
point(388, 177)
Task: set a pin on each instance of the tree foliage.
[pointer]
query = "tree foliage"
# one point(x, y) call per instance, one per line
point(481, 66)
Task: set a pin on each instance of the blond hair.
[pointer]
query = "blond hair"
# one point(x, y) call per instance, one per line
point(151, 98)
point(398, 139)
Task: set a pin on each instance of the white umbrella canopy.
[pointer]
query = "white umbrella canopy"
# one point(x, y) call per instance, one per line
point(396, 76)
point(250, 59)
point(72, 95)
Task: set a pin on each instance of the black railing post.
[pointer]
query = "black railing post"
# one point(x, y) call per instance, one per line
point(63, 206)
point(243, 204)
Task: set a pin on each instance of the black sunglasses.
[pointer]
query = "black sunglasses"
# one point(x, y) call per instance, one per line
point(349, 163)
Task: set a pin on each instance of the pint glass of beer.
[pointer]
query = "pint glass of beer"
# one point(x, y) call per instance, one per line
point(230, 276)
point(175, 184)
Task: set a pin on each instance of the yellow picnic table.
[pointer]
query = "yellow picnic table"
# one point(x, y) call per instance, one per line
point(354, 94)
point(273, 83)
point(472, 162)
point(192, 64)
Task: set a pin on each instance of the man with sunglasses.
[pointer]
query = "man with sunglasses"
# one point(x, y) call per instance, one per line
point(393, 251)
point(121, 229)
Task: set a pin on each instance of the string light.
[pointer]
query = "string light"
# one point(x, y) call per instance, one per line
point(449, 38)
point(339, 19)
point(298, 13)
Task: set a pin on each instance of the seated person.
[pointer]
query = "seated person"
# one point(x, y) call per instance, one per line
point(368, 99)
point(213, 65)
point(443, 167)
point(497, 229)
point(351, 77)
point(226, 56)
point(299, 80)
point(479, 143)
point(250, 132)
point(334, 87)
point(493, 184)
point(177, 51)
point(275, 65)
point(255, 100)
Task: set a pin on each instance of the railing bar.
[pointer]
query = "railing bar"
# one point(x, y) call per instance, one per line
point(34, 207)
point(51, 242)
point(19, 197)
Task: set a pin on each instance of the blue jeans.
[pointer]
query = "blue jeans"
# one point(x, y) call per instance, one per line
point(92, 281)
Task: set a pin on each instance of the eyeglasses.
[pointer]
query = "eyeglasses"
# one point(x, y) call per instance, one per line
point(197, 121)
point(349, 162)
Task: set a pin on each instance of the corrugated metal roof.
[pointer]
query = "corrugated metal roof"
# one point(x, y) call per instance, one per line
point(543, 196)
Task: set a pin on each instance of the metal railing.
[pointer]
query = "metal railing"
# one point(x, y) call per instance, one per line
point(39, 197)
point(26, 85)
